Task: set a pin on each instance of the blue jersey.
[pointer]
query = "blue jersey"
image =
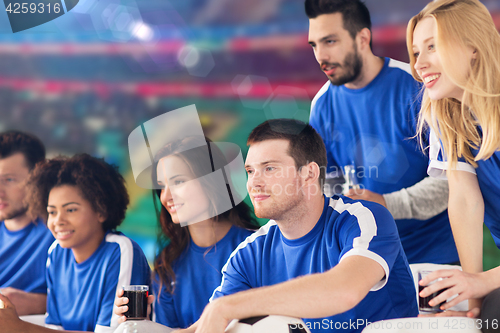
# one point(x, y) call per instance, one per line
point(198, 273)
point(372, 128)
point(345, 228)
point(488, 177)
point(81, 295)
point(23, 257)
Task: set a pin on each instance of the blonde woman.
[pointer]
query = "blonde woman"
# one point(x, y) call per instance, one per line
point(455, 51)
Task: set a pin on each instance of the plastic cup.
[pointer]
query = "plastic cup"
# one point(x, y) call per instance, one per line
point(423, 302)
point(137, 302)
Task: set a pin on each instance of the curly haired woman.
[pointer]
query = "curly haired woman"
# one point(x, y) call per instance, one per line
point(84, 200)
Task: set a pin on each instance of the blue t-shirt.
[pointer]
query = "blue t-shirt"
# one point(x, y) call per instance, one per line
point(198, 273)
point(345, 228)
point(373, 128)
point(488, 177)
point(80, 296)
point(23, 257)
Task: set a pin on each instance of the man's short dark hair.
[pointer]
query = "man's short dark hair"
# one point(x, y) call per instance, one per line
point(13, 142)
point(306, 145)
point(355, 14)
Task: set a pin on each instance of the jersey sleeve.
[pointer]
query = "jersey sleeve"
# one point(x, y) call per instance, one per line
point(367, 229)
point(164, 309)
point(51, 315)
point(437, 161)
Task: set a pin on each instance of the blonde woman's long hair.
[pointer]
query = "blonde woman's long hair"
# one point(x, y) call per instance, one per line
point(462, 25)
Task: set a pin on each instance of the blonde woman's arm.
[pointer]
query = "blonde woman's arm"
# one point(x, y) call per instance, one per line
point(466, 210)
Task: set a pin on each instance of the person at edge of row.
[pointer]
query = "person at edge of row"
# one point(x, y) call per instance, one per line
point(329, 260)
point(24, 241)
point(367, 116)
point(454, 48)
point(189, 269)
point(85, 200)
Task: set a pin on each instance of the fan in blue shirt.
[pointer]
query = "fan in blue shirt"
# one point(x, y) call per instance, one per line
point(188, 268)
point(23, 256)
point(85, 200)
point(338, 263)
point(461, 105)
point(24, 241)
point(367, 116)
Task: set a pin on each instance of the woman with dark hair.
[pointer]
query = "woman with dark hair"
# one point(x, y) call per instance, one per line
point(198, 226)
point(84, 199)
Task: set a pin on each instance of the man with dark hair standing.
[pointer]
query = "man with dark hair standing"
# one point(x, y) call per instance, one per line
point(23, 242)
point(336, 261)
point(367, 116)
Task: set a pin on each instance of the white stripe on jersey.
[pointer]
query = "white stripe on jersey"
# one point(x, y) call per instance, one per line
point(250, 239)
point(51, 248)
point(365, 218)
point(401, 65)
point(437, 168)
point(47, 264)
point(126, 263)
point(320, 93)
point(368, 228)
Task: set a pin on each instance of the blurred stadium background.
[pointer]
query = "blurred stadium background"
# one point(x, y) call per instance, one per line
point(84, 81)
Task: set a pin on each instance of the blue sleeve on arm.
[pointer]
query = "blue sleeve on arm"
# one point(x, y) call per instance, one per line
point(368, 229)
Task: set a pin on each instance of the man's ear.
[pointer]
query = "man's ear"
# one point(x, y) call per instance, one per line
point(364, 37)
point(310, 173)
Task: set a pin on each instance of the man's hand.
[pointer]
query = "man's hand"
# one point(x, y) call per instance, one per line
point(26, 303)
point(360, 194)
point(121, 305)
point(212, 319)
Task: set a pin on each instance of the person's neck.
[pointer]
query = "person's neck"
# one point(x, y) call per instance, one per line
point(85, 251)
point(372, 65)
point(303, 218)
point(18, 223)
point(207, 233)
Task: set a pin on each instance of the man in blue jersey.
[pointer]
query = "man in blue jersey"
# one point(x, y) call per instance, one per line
point(23, 242)
point(367, 116)
point(336, 262)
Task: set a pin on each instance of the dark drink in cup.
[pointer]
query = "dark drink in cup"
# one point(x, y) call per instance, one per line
point(423, 302)
point(137, 301)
